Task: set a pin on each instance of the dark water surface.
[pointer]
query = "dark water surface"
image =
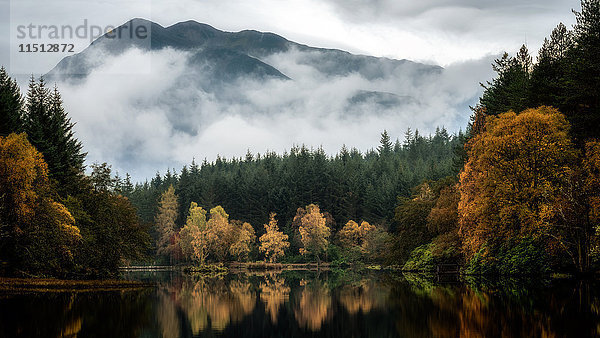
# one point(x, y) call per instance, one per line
point(296, 304)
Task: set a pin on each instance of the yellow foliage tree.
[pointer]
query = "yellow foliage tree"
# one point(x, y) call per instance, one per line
point(244, 238)
point(349, 235)
point(353, 235)
point(196, 219)
point(193, 237)
point(516, 167)
point(314, 232)
point(37, 233)
point(273, 242)
point(443, 217)
point(220, 233)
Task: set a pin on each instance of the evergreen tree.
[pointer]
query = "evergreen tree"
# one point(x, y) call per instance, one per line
point(583, 77)
point(11, 105)
point(548, 79)
point(509, 90)
point(51, 132)
point(385, 144)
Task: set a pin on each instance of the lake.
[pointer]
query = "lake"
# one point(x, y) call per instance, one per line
point(309, 303)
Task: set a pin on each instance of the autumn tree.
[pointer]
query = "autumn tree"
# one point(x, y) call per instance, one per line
point(37, 234)
point(273, 242)
point(443, 217)
point(220, 233)
point(165, 223)
point(349, 235)
point(243, 239)
point(377, 243)
point(193, 237)
point(186, 233)
point(516, 169)
point(353, 235)
point(314, 232)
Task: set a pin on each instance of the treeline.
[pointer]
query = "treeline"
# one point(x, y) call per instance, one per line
point(349, 185)
point(54, 219)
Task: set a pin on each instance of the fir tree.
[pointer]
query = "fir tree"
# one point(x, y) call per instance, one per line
point(50, 130)
point(11, 105)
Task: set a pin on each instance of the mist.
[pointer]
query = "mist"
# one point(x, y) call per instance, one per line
point(148, 111)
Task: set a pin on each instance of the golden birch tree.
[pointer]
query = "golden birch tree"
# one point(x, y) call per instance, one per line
point(273, 242)
point(314, 232)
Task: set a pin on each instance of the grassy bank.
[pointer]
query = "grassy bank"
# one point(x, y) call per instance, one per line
point(60, 285)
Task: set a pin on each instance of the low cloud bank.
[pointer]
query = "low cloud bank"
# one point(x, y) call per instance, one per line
point(148, 121)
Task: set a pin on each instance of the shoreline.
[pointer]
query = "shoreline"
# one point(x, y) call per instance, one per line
point(17, 284)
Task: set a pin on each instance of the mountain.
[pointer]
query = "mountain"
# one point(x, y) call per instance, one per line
point(225, 57)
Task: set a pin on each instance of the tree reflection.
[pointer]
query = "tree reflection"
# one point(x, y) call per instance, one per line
point(364, 297)
point(504, 308)
point(314, 306)
point(214, 303)
point(305, 304)
point(167, 316)
point(274, 293)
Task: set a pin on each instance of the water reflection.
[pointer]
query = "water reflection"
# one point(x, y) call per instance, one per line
point(273, 294)
point(363, 297)
point(308, 304)
point(210, 302)
point(314, 306)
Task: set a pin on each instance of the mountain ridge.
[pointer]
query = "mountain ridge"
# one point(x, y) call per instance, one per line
point(191, 35)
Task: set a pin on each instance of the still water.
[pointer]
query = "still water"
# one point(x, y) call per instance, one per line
point(297, 304)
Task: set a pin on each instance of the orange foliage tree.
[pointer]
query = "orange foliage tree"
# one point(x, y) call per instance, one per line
point(516, 168)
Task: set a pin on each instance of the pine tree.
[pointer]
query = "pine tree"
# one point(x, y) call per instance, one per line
point(385, 144)
point(50, 130)
point(510, 89)
point(583, 81)
point(548, 81)
point(11, 105)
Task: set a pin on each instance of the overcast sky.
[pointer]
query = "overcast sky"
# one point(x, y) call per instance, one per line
point(461, 35)
point(440, 32)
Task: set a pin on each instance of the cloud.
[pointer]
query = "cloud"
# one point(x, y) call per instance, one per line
point(161, 118)
point(441, 32)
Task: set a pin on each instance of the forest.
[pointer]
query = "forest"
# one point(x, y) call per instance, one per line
point(518, 192)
